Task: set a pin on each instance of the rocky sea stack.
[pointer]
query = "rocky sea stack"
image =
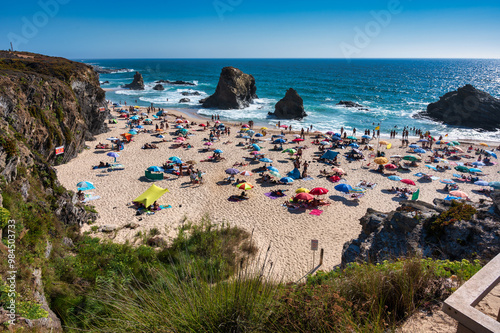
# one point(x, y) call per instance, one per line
point(235, 90)
point(137, 84)
point(466, 107)
point(159, 87)
point(290, 107)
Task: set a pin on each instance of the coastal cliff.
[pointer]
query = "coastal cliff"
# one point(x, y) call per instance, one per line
point(45, 102)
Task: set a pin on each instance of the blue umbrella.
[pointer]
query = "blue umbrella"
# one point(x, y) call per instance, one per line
point(423, 140)
point(271, 168)
point(343, 188)
point(256, 147)
point(124, 111)
point(132, 132)
point(489, 152)
point(456, 175)
point(160, 136)
point(431, 167)
point(245, 137)
point(495, 185)
point(279, 141)
point(478, 163)
point(251, 132)
point(337, 135)
point(396, 178)
point(419, 151)
point(175, 159)
point(134, 117)
point(413, 146)
point(139, 127)
point(447, 181)
point(475, 170)
point(155, 168)
point(232, 171)
point(329, 155)
point(286, 180)
point(178, 126)
point(113, 154)
point(259, 135)
point(354, 145)
point(218, 151)
point(266, 160)
point(366, 137)
point(295, 174)
point(85, 186)
point(482, 183)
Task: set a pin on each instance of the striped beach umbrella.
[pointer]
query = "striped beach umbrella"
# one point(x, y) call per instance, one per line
point(244, 186)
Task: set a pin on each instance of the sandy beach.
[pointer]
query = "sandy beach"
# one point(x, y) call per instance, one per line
point(288, 233)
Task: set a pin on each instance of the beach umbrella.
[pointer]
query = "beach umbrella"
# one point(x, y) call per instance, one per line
point(390, 166)
point(202, 125)
point(419, 151)
point(147, 119)
point(413, 146)
point(484, 144)
point(289, 150)
point(456, 175)
point(113, 154)
point(279, 141)
point(217, 121)
point(384, 143)
point(246, 173)
point(489, 152)
point(286, 180)
point(482, 183)
point(381, 160)
point(263, 128)
point(431, 167)
point(302, 190)
point(275, 174)
point(304, 196)
point(175, 159)
point(478, 163)
point(256, 147)
point(112, 139)
point(365, 136)
point(459, 194)
point(244, 186)
point(338, 170)
point(180, 139)
point(232, 171)
point(266, 160)
point(447, 181)
point(318, 191)
point(244, 130)
point(245, 126)
point(408, 181)
point(134, 117)
point(395, 178)
point(396, 156)
point(298, 140)
point(256, 153)
point(343, 188)
point(85, 186)
point(218, 151)
point(271, 168)
point(159, 136)
point(132, 132)
point(184, 131)
point(329, 155)
point(423, 140)
point(155, 168)
point(259, 135)
point(354, 145)
point(325, 143)
point(179, 127)
point(461, 168)
point(208, 143)
point(411, 158)
point(251, 132)
point(495, 185)
point(179, 121)
point(357, 190)
point(352, 138)
point(475, 170)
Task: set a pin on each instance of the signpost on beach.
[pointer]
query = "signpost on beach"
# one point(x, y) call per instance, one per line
point(59, 150)
point(314, 247)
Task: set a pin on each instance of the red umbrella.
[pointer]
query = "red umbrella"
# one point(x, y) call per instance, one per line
point(298, 140)
point(245, 126)
point(408, 181)
point(318, 191)
point(390, 166)
point(202, 125)
point(304, 196)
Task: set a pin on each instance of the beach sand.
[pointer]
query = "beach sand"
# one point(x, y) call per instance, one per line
point(288, 233)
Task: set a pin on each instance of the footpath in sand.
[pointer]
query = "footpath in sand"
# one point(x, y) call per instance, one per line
point(288, 233)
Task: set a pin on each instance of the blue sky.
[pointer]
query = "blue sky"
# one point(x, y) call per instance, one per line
point(253, 29)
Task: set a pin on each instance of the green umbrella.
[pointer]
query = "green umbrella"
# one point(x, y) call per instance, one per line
point(289, 150)
point(461, 168)
point(411, 158)
point(352, 138)
point(456, 143)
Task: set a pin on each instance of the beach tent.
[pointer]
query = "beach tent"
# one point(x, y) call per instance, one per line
point(295, 174)
point(151, 195)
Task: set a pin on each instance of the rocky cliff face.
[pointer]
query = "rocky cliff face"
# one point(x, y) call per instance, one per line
point(466, 107)
point(443, 231)
point(290, 107)
point(45, 102)
point(235, 90)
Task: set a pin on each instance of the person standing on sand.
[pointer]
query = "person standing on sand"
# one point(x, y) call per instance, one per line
point(354, 131)
point(290, 128)
point(341, 130)
point(302, 133)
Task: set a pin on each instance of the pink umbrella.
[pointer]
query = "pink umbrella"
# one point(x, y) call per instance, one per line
point(408, 181)
point(304, 196)
point(459, 194)
point(318, 191)
point(245, 126)
point(256, 153)
point(246, 173)
point(298, 140)
point(208, 143)
point(180, 139)
point(390, 166)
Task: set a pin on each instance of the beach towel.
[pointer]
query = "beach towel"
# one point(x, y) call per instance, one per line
point(91, 198)
point(308, 178)
point(165, 207)
point(316, 212)
point(271, 196)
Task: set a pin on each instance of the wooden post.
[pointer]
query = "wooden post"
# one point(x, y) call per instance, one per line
point(11, 47)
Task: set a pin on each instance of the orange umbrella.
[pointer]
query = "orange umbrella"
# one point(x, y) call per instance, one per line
point(304, 196)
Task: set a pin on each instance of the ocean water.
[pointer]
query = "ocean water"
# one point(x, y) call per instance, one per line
point(393, 90)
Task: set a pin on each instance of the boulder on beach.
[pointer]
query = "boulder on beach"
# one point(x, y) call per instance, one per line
point(290, 107)
point(184, 100)
point(466, 107)
point(158, 87)
point(137, 84)
point(235, 90)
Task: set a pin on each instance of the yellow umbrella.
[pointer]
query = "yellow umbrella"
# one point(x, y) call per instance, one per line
point(302, 190)
point(484, 144)
point(389, 146)
point(263, 128)
point(383, 142)
point(245, 129)
point(381, 160)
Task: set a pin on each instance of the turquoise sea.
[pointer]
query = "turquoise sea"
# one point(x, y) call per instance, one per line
point(393, 90)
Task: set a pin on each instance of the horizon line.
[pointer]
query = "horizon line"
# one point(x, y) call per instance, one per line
point(291, 58)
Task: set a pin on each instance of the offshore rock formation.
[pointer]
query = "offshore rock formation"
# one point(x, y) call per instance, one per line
point(137, 84)
point(410, 230)
point(290, 107)
point(466, 107)
point(351, 104)
point(159, 87)
point(235, 90)
point(178, 82)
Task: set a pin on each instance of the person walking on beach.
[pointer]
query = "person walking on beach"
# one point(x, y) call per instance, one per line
point(302, 133)
point(341, 130)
